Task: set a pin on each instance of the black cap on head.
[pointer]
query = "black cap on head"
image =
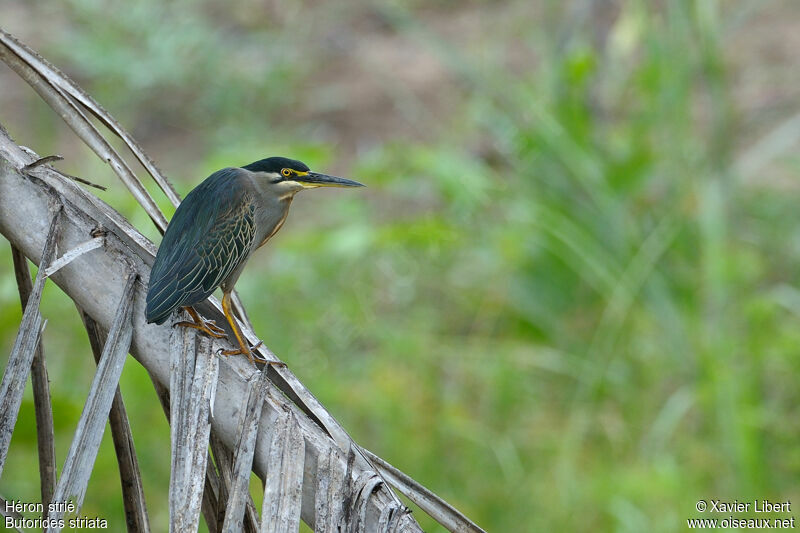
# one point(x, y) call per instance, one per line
point(275, 164)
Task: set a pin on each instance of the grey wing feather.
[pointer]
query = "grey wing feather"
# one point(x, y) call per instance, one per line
point(209, 236)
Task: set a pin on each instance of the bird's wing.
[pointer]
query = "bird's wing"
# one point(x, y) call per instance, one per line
point(210, 235)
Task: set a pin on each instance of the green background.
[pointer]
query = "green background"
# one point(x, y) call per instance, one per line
point(568, 298)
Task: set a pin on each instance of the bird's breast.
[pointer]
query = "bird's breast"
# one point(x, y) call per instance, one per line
point(269, 220)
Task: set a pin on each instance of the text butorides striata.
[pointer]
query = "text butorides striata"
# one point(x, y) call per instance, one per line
point(214, 232)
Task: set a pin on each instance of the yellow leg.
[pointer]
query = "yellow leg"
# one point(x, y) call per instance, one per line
point(206, 326)
point(243, 348)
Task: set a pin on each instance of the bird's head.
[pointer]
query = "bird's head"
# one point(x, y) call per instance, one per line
point(288, 176)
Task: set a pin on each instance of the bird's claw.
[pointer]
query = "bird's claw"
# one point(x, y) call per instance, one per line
point(257, 359)
point(212, 330)
point(213, 326)
point(209, 327)
point(252, 356)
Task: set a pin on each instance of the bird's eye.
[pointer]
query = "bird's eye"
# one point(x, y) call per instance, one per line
point(286, 172)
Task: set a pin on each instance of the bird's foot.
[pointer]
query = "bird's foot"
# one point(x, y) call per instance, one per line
point(214, 327)
point(209, 327)
point(205, 326)
point(252, 356)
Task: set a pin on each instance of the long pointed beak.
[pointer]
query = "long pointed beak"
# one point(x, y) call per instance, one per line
point(315, 179)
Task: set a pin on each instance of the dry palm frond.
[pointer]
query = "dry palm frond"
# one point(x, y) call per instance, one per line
point(445, 514)
point(57, 79)
point(223, 458)
point(19, 362)
point(30, 70)
point(193, 372)
point(243, 457)
point(41, 390)
point(130, 476)
point(344, 483)
point(7, 511)
point(83, 450)
point(283, 493)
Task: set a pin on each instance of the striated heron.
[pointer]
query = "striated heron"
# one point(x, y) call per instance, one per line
point(214, 232)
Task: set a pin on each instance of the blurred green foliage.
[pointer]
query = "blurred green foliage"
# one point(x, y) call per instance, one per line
point(558, 303)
